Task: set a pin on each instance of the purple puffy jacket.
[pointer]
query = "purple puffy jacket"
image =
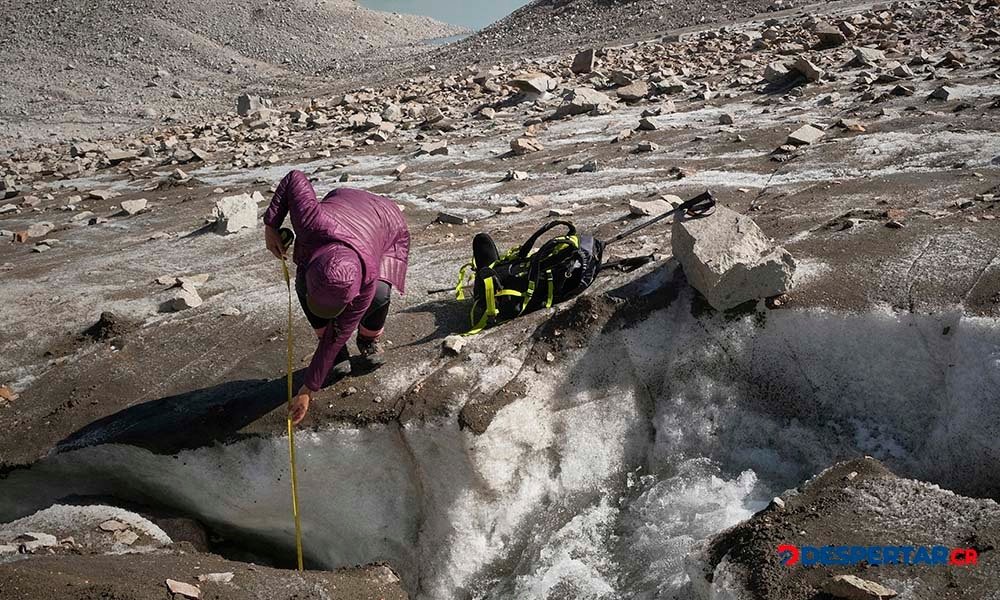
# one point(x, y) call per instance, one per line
point(371, 225)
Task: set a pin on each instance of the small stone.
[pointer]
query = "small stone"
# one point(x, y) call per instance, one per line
point(7, 208)
point(216, 577)
point(246, 104)
point(230, 311)
point(392, 113)
point(652, 124)
point(778, 502)
point(851, 587)
point(42, 229)
point(549, 357)
point(515, 175)
point(776, 73)
point(634, 92)
point(851, 125)
point(532, 201)
point(487, 114)
point(103, 194)
point(829, 36)
point(453, 345)
point(868, 56)
point(639, 208)
point(6, 394)
point(647, 146)
point(805, 135)
point(587, 167)
point(194, 280)
point(187, 297)
point(945, 92)
point(434, 148)
point(809, 70)
point(184, 589)
point(83, 148)
point(451, 218)
point(534, 83)
point(726, 119)
point(132, 207)
point(583, 62)
point(584, 100)
point(179, 175)
point(113, 525)
point(126, 537)
point(560, 212)
point(32, 541)
point(525, 145)
point(117, 156)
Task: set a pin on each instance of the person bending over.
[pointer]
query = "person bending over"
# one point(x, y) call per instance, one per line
point(351, 249)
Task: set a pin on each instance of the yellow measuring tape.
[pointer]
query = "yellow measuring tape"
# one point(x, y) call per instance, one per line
point(291, 426)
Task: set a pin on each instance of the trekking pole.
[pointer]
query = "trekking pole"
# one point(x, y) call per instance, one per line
point(443, 290)
point(286, 239)
point(701, 205)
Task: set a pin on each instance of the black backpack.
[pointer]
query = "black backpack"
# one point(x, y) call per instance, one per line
point(524, 279)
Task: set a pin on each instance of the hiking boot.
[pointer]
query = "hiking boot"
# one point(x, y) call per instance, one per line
point(341, 367)
point(372, 353)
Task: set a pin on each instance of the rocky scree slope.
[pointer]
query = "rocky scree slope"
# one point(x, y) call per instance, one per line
point(549, 26)
point(107, 62)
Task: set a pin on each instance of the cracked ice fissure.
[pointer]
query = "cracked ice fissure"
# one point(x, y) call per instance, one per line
point(599, 482)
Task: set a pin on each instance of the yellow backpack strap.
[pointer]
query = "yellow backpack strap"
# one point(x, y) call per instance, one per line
point(491, 308)
point(527, 297)
point(548, 300)
point(463, 276)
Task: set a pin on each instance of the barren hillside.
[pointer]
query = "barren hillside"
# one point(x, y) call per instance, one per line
point(551, 26)
point(102, 65)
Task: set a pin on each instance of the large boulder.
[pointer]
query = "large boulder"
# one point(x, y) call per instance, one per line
point(535, 83)
point(583, 62)
point(729, 260)
point(246, 104)
point(584, 100)
point(234, 213)
point(633, 92)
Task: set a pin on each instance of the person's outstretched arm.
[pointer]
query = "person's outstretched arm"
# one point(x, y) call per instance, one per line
point(336, 335)
point(295, 196)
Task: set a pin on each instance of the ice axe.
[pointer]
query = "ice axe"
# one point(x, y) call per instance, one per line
point(701, 205)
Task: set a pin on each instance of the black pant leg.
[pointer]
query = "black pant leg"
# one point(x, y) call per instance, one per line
point(300, 291)
point(373, 322)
